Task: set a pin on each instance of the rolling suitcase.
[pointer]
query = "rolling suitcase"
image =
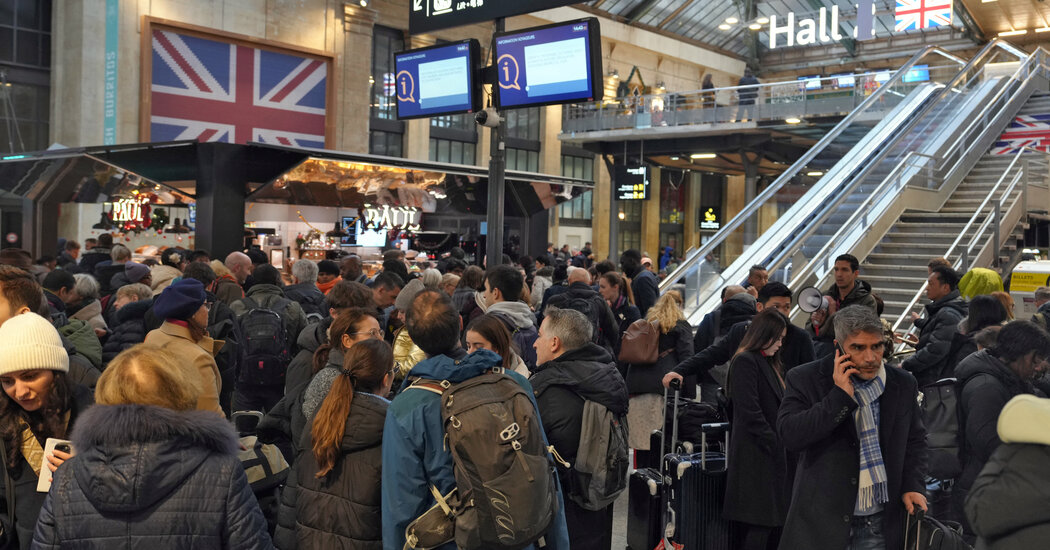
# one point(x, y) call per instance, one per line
point(695, 487)
point(644, 509)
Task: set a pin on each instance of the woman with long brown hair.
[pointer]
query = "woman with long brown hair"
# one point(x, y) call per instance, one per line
point(38, 402)
point(185, 334)
point(488, 332)
point(616, 290)
point(759, 483)
point(341, 470)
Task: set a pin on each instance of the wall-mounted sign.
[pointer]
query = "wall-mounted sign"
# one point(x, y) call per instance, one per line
point(632, 183)
point(710, 218)
point(431, 15)
point(825, 27)
point(128, 210)
point(404, 218)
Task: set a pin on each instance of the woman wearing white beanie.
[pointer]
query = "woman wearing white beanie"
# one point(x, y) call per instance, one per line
point(38, 402)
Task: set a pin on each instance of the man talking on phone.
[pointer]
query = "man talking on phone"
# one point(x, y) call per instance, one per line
point(861, 442)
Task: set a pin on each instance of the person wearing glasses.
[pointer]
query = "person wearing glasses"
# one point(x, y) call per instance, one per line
point(340, 468)
point(184, 333)
point(356, 325)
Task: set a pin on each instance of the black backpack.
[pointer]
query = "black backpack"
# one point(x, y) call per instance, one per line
point(264, 344)
point(940, 406)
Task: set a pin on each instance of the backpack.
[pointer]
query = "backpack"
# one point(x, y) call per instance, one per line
point(940, 412)
point(600, 472)
point(523, 339)
point(264, 344)
point(505, 480)
point(641, 344)
point(923, 532)
point(589, 310)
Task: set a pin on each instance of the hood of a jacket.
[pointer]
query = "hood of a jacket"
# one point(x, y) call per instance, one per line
point(88, 311)
point(306, 290)
point(740, 307)
point(83, 337)
point(950, 301)
point(983, 362)
point(314, 335)
point(262, 292)
point(364, 425)
point(131, 456)
point(590, 371)
point(518, 312)
point(1044, 309)
point(134, 310)
point(443, 367)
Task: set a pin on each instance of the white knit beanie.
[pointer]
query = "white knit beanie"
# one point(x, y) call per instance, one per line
point(29, 341)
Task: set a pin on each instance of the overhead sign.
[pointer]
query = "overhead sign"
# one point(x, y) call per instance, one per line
point(386, 217)
point(710, 218)
point(557, 63)
point(438, 80)
point(431, 15)
point(632, 183)
point(823, 29)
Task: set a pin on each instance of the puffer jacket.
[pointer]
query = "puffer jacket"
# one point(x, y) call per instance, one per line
point(1008, 503)
point(81, 371)
point(933, 353)
point(300, 370)
point(83, 338)
point(145, 475)
point(343, 509)
point(28, 502)
point(130, 330)
point(162, 276)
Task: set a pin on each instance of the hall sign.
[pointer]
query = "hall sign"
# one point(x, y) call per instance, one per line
point(792, 31)
point(386, 217)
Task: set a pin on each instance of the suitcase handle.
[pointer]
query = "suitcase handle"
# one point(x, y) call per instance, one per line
point(713, 428)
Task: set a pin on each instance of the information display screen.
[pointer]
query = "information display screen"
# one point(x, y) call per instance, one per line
point(558, 63)
point(918, 73)
point(359, 236)
point(632, 183)
point(811, 82)
point(435, 81)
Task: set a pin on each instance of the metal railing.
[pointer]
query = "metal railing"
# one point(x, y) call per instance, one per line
point(772, 101)
point(692, 267)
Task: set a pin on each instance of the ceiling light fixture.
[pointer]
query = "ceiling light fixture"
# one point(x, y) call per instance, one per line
point(815, 174)
point(674, 158)
point(724, 27)
point(1013, 33)
point(754, 26)
point(732, 20)
point(703, 156)
point(762, 20)
point(1044, 29)
point(793, 120)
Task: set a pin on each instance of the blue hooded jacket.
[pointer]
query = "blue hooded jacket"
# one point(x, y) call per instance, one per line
point(414, 456)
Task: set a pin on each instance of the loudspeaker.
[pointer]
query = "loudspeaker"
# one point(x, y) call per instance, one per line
point(811, 299)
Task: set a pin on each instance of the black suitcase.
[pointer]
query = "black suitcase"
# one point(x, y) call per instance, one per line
point(645, 518)
point(695, 488)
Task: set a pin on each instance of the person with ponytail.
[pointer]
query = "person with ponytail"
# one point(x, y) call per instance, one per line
point(759, 483)
point(332, 498)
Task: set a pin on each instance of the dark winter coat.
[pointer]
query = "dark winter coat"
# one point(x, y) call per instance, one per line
point(301, 369)
point(609, 329)
point(270, 296)
point(562, 384)
point(93, 257)
point(646, 288)
point(816, 421)
point(933, 352)
point(737, 309)
point(146, 475)
point(105, 273)
point(675, 346)
point(28, 502)
point(984, 384)
point(797, 350)
point(81, 371)
point(308, 297)
point(1008, 502)
point(759, 481)
point(227, 289)
point(129, 330)
point(461, 297)
point(341, 510)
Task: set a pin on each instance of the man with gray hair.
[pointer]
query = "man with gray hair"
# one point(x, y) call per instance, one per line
point(570, 370)
point(304, 290)
point(859, 432)
point(1042, 307)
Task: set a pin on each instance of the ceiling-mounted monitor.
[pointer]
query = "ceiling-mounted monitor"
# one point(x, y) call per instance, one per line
point(438, 80)
point(559, 63)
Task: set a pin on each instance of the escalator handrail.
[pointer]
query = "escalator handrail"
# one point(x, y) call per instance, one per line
point(754, 205)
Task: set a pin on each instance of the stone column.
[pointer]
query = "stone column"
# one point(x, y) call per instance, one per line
point(355, 93)
point(600, 220)
point(691, 231)
point(651, 217)
point(77, 63)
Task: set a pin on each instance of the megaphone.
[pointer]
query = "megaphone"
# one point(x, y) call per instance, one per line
point(811, 299)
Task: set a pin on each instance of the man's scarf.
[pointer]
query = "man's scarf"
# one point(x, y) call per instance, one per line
point(872, 481)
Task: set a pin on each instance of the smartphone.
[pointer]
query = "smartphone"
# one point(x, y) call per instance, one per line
point(52, 444)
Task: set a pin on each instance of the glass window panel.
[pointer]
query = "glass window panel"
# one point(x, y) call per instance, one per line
point(470, 154)
point(457, 152)
point(27, 47)
point(7, 13)
point(393, 145)
point(534, 123)
point(45, 50)
point(7, 44)
point(377, 143)
point(588, 170)
point(28, 13)
point(45, 15)
point(443, 152)
point(534, 161)
point(433, 149)
point(587, 207)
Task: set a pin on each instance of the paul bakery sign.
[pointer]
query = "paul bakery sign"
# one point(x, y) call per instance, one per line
point(386, 217)
point(909, 15)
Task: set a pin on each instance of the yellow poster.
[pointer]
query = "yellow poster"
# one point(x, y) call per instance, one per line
point(1027, 282)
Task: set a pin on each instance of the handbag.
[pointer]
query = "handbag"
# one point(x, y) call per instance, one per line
point(926, 533)
point(640, 344)
point(8, 536)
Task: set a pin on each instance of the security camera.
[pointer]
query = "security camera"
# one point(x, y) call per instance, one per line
point(488, 117)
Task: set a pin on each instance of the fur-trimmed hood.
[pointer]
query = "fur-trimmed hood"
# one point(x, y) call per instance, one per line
point(131, 456)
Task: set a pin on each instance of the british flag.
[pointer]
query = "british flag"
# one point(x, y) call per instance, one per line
point(1025, 131)
point(922, 14)
point(217, 91)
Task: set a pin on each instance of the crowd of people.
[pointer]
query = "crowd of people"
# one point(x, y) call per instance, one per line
point(144, 367)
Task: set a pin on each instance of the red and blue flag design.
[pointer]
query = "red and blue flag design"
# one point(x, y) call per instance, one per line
point(913, 15)
point(217, 91)
point(1025, 131)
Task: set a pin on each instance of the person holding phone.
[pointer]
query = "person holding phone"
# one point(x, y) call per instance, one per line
point(38, 402)
point(861, 441)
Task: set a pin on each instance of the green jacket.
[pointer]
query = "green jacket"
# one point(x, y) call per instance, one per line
point(83, 337)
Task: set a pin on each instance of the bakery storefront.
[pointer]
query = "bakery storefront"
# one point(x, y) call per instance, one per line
point(290, 202)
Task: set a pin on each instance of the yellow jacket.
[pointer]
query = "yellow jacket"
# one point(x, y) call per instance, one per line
point(176, 339)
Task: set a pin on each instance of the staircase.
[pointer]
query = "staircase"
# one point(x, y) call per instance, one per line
point(896, 268)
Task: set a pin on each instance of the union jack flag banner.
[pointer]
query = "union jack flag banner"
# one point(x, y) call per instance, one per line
point(1025, 131)
point(210, 90)
point(922, 14)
